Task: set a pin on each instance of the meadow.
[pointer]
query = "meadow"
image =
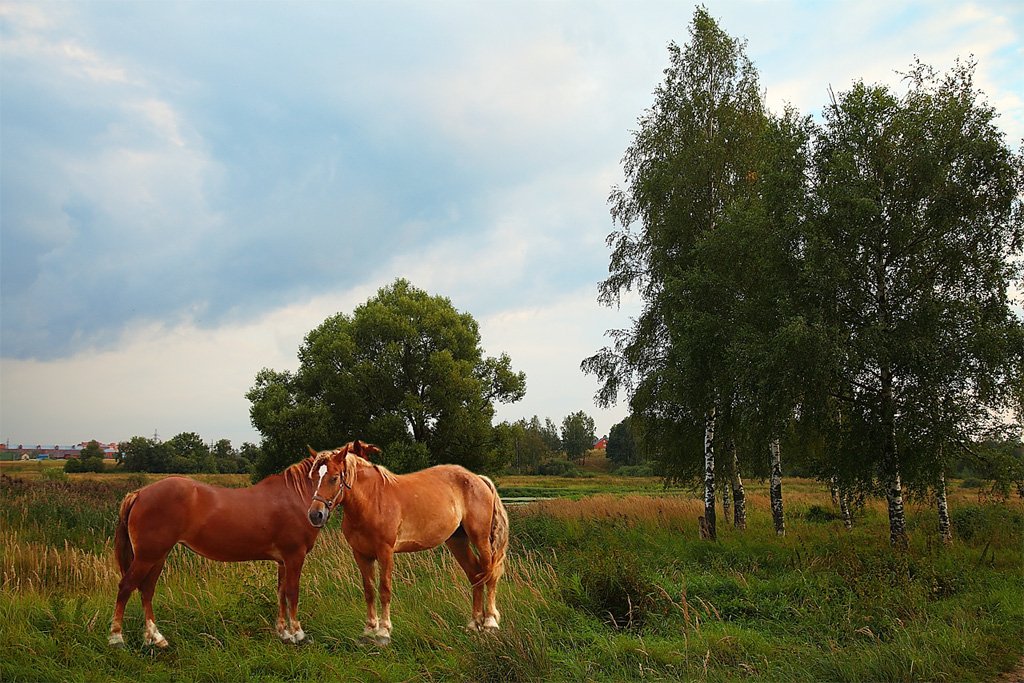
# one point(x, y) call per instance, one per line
point(606, 581)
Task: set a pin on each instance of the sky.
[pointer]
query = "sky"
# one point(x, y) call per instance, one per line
point(188, 188)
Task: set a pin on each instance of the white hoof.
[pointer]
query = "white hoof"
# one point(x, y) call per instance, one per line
point(298, 636)
point(157, 640)
point(490, 624)
point(115, 640)
point(153, 636)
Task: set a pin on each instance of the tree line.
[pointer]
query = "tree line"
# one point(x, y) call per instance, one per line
point(839, 290)
point(186, 453)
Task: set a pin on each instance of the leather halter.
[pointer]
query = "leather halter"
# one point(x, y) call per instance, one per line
point(329, 504)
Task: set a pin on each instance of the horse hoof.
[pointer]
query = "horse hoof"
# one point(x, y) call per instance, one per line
point(116, 643)
point(490, 624)
point(376, 638)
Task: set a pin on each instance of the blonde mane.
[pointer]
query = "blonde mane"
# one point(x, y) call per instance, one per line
point(352, 463)
point(297, 475)
point(360, 462)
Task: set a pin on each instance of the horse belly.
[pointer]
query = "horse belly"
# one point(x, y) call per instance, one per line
point(237, 538)
point(428, 527)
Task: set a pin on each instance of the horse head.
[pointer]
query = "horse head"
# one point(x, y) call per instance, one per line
point(335, 471)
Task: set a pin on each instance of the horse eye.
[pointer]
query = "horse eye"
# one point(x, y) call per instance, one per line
point(334, 479)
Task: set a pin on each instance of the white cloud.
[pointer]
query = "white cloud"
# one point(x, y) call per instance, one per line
point(548, 343)
point(158, 377)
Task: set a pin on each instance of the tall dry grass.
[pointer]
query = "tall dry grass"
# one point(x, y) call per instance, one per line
point(30, 566)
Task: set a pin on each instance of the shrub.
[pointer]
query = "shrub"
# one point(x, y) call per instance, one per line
point(985, 522)
point(84, 465)
point(53, 474)
point(558, 468)
point(819, 515)
point(613, 587)
point(634, 471)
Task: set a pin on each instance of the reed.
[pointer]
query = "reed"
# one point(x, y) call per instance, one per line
point(606, 588)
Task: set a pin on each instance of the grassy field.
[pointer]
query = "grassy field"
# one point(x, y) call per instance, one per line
point(607, 582)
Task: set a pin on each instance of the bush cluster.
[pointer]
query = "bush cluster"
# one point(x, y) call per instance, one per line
point(84, 465)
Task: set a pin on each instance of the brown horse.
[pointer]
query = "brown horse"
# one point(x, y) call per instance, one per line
point(267, 521)
point(387, 513)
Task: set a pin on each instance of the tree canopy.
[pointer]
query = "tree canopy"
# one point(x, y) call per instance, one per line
point(577, 435)
point(405, 371)
point(843, 286)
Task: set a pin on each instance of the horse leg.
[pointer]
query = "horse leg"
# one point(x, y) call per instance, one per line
point(282, 603)
point(146, 588)
point(293, 571)
point(480, 536)
point(365, 565)
point(464, 555)
point(492, 616)
point(129, 583)
point(386, 559)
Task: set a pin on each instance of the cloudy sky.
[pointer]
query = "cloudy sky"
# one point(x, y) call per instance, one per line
point(188, 188)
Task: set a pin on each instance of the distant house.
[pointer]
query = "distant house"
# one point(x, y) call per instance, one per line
point(42, 452)
point(601, 443)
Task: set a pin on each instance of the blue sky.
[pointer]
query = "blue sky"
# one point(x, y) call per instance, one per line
point(188, 188)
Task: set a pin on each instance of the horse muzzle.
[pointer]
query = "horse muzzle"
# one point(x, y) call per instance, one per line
point(318, 515)
point(320, 510)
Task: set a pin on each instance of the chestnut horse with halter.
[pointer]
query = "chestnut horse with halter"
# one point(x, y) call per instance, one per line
point(267, 521)
point(387, 513)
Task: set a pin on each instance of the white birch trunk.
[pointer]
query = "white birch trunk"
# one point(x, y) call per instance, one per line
point(945, 530)
point(739, 498)
point(726, 488)
point(778, 514)
point(709, 531)
point(844, 505)
point(897, 515)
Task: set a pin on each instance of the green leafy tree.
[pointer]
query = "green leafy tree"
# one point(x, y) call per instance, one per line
point(529, 448)
point(548, 433)
point(622, 447)
point(89, 460)
point(690, 161)
point(404, 371)
point(577, 435)
point(189, 454)
point(913, 249)
point(141, 454)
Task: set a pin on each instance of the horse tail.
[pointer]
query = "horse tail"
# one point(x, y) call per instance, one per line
point(123, 550)
point(499, 535)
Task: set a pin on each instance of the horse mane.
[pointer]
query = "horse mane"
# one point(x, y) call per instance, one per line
point(360, 462)
point(352, 461)
point(386, 474)
point(297, 475)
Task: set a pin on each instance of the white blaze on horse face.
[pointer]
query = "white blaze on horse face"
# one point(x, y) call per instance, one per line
point(322, 471)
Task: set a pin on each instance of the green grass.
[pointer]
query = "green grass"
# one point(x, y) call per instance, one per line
point(605, 588)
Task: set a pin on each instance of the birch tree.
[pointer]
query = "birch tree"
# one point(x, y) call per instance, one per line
point(688, 162)
point(913, 249)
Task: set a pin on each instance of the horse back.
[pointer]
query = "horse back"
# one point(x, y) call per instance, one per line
point(260, 522)
point(423, 509)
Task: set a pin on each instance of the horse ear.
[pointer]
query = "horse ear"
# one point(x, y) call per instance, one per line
point(311, 451)
point(363, 450)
